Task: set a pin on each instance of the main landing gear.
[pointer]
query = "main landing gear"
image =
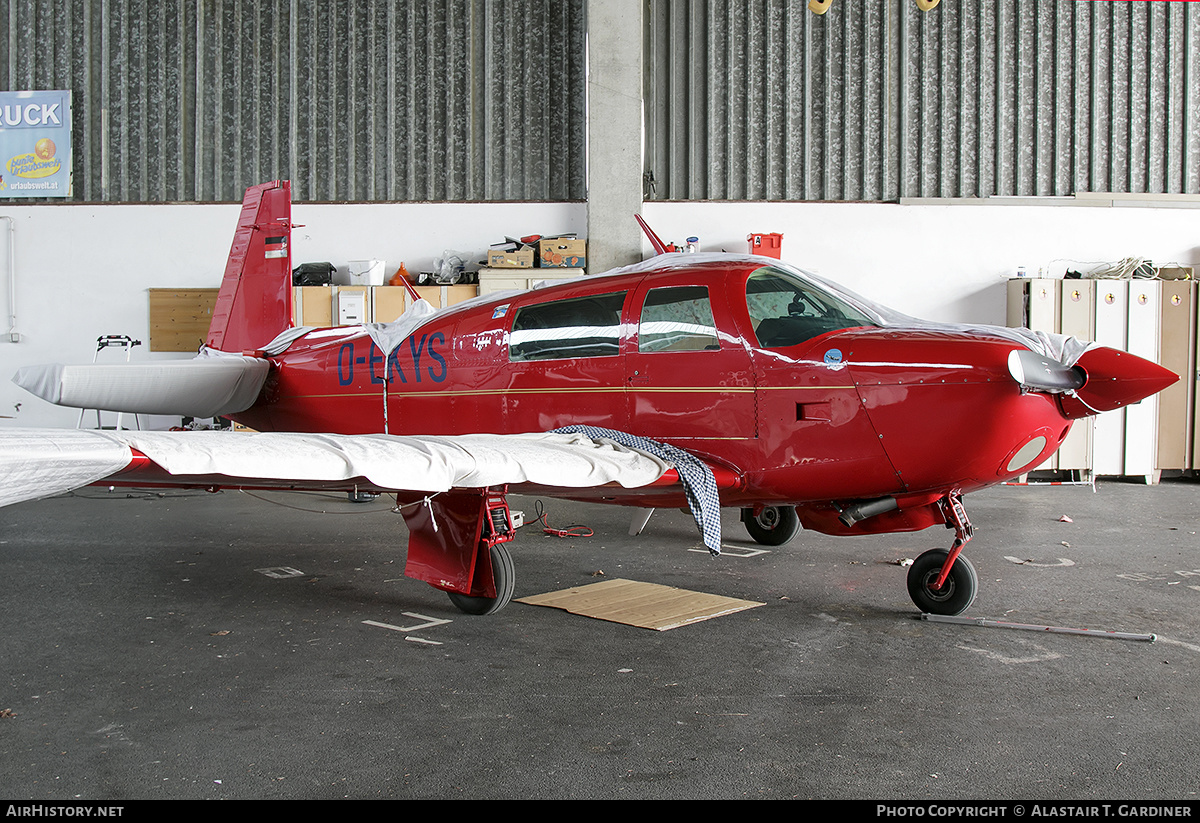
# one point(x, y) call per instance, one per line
point(771, 525)
point(941, 581)
point(456, 544)
point(504, 576)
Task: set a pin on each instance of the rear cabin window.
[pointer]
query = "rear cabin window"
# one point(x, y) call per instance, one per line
point(786, 311)
point(677, 318)
point(580, 327)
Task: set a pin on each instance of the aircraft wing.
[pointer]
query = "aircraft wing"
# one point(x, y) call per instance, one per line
point(42, 463)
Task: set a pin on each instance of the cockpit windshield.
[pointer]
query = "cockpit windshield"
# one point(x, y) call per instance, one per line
point(786, 309)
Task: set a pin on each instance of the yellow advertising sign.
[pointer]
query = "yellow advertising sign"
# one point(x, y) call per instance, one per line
point(35, 144)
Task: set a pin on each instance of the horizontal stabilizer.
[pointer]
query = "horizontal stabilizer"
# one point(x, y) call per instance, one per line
point(203, 387)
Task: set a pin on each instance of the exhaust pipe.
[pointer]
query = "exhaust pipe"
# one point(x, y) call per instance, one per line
point(867, 508)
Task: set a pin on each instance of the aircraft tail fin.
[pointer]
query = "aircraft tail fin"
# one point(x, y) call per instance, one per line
point(255, 301)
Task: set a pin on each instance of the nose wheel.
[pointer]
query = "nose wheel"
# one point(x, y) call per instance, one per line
point(956, 593)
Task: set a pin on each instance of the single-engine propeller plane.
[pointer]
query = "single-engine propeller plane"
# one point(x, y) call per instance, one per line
point(691, 380)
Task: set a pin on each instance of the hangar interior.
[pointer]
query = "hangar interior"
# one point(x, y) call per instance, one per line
point(950, 159)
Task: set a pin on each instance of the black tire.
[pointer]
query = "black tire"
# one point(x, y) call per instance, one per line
point(773, 526)
point(505, 576)
point(958, 593)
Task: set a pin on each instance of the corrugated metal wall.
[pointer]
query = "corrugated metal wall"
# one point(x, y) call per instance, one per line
point(876, 100)
point(377, 100)
point(362, 100)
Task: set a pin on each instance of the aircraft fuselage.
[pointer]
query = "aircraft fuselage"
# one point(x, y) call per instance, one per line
point(809, 406)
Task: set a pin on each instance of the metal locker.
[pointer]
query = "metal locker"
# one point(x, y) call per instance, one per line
point(1078, 319)
point(1141, 419)
point(1112, 319)
point(1034, 303)
point(1178, 353)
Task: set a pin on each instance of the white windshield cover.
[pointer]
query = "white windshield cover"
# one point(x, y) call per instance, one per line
point(1065, 349)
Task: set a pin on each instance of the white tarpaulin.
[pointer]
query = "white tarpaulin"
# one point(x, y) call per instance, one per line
point(207, 386)
point(212, 384)
point(426, 463)
point(41, 463)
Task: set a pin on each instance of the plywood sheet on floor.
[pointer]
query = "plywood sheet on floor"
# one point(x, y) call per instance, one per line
point(646, 605)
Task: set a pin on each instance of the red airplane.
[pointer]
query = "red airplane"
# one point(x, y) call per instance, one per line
point(689, 380)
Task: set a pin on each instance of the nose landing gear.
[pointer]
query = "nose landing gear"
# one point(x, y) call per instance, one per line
point(941, 581)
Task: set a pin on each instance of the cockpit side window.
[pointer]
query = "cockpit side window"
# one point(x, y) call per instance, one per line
point(786, 311)
point(580, 327)
point(677, 318)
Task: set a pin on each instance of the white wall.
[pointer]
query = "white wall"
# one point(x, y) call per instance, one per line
point(84, 271)
point(938, 262)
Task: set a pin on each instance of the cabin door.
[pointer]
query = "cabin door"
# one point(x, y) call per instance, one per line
point(685, 377)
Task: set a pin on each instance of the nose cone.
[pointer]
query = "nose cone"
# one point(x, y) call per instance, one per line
point(1114, 379)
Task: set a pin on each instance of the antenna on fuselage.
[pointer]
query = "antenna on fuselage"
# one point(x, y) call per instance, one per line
point(659, 246)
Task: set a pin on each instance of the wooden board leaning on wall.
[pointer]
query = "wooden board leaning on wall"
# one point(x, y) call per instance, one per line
point(179, 318)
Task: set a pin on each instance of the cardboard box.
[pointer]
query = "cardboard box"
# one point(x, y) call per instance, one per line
point(522, 259)
point(562, 253)
point(494, 280)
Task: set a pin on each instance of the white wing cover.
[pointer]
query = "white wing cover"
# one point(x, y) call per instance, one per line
point(42, 463)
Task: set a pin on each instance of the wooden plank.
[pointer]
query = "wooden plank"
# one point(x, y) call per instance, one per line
point(179, 318)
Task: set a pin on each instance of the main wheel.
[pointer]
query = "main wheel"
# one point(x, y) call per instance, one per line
point(956, 594)
point(505, 576)
point(773, 526)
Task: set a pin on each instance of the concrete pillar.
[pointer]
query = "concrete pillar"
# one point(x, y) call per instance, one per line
point(614, 87)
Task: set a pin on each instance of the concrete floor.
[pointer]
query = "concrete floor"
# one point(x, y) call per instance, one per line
point(149, 653)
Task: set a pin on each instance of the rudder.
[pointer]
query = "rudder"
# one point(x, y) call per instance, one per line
point(255, 301)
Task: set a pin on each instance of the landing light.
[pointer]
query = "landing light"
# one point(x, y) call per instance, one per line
point(1025, 455)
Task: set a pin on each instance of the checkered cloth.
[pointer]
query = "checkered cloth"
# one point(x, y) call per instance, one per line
point(699, 484)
